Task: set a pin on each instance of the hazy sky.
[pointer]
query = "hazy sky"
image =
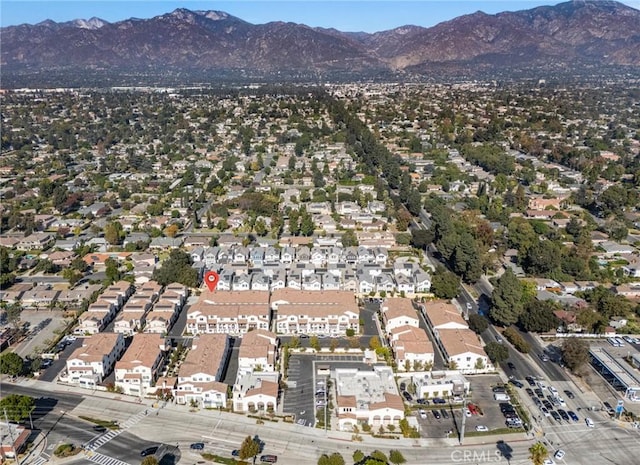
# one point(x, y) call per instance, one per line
point(359, 15)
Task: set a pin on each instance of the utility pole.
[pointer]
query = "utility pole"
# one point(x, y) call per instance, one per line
point(13, 444)
point(464, 417)
point(326, 405)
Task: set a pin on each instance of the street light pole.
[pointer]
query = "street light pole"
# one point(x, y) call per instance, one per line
point(464, 418)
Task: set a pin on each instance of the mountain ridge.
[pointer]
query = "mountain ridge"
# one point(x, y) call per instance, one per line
point(574, 32)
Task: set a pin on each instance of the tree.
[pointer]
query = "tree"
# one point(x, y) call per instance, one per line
point(113, 232)
point(17, 407)
point(506, 299)
point(444, 284)
point(396, 457)
point(538, 317)
point(379, 455)
point(13, 314)
point(11, 364)
point(177, 269)
point(149, 460)
point(112, 269)
point(478, 323)
point(333, 459)
point(421, 238)
point(314, 343)
point(538, 453)
point(543, 258)
point(358, 456)
point(349, 238)
point(496, 352)
point(514, 337)
point(575, 352)
point(171, 230)
point(249, 448)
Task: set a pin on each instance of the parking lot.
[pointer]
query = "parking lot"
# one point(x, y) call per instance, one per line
point(42, 327)
point(302, 380)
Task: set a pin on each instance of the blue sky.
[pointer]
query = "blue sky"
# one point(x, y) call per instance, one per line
point(359, 15)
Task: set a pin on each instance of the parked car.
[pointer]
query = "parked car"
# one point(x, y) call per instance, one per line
point(559, 454)
point(530, 392)
point(439, 400)
point(516, 383)
point(235, 452)
point(269, 458)
point(569, 394)
point(423, 414)
point(563, 414)
point(545, 412)
point(436, 414)
point(467, 412)
point(555, 415)
point(149, 451)
point(403, 386)
point(589, 422)
point(498, 390)
point(530, 380)
point(548, 462)
point(482, 428)
point(407, 396)
point(444, 413)
point(197, 446)
point(572, 415)
point(422, 401)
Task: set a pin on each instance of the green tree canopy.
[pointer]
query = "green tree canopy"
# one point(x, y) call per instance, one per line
point(539, 317)
point(478, 323)
point(496, 352)
point(11, 364)
point(538, 453)
point(444, 284)
point(575, 352)
point(249, 448)
point(506, 299)
point(177, 269)
point(18, 407)
point(396, 457)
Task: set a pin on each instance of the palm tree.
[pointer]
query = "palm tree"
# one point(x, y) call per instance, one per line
point(538, 453)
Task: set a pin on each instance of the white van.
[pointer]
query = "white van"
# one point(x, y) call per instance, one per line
point(501, 396)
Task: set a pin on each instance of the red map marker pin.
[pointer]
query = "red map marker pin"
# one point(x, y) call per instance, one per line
point(211, 279)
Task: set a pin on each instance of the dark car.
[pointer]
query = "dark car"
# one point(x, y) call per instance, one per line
point(439, 400)
point(444, 413)
point(506, 407)
point(609, 408)
point(563, 414)
point(269, 458)
point(99, 429)
point(555, 415)
point(149, 451)
point(498, 390)
point(572, 415)
point(569, 394)
point(530, 380)
point(516, 383)
point(436, 414)
point(403, 386)
point(235, 452)
point(423, 401)
point(197, 446)
point(547, 404)
point(530, 392)
point(539, 393)
point(407, 396)
point(511, 366)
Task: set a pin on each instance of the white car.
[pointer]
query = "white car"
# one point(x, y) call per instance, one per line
point(561, 401)
point(548, 462)
point(467, 412)
point(423, 414)
point(589, 422)
point(482, 428)
point(559, 454)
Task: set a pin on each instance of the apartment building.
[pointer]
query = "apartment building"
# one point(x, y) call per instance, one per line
point(199, 378)
point(412, 349)
point(258, 351)
point(329, 313)
point(398, 312)
point(90, 364)
point(137, 371)
point(229, 312)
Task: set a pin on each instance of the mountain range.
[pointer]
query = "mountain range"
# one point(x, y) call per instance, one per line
point(574, 33)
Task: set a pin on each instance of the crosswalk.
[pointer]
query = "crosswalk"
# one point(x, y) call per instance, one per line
point(102, 459)
point(109, 435)
point(103, 439)
point(38, 461)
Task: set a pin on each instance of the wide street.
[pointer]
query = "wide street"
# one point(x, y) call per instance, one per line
point(222, 432)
